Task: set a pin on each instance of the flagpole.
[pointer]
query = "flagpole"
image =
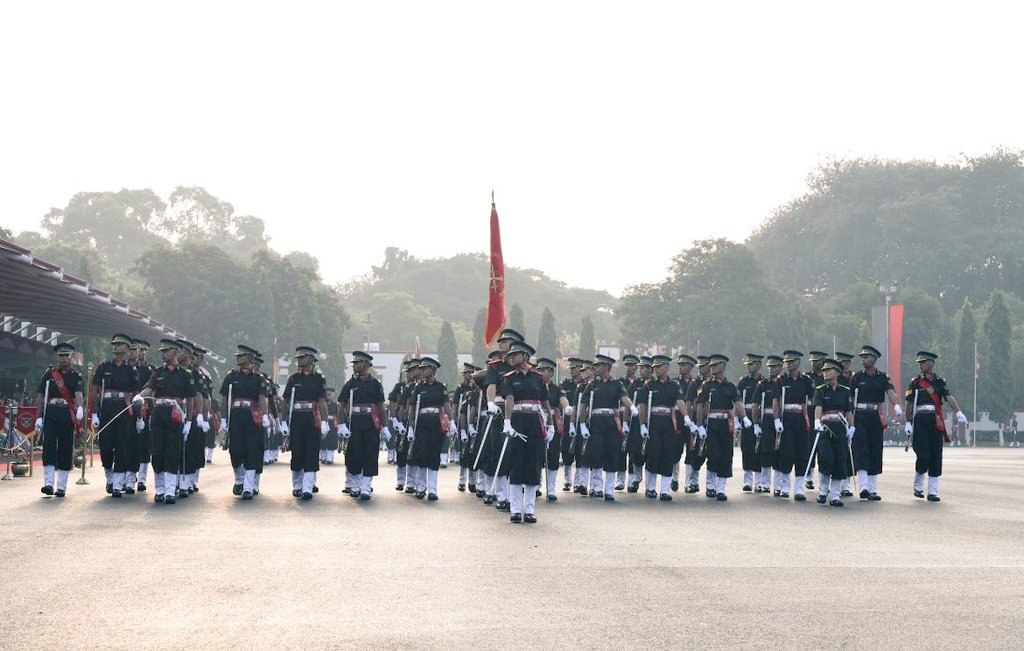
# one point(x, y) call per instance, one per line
point(974, 419)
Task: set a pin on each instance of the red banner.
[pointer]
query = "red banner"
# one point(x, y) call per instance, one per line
point(26, 420)
point(496, 284)
point(895, 360)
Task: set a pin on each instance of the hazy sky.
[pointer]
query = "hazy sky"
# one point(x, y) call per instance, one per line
point(625, 130)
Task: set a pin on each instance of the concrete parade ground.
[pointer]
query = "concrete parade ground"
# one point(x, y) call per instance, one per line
point(212, 571)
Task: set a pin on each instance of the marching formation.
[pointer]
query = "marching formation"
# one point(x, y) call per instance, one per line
point(510, 428)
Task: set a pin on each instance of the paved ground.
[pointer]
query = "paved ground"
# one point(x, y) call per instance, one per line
point(213, 571)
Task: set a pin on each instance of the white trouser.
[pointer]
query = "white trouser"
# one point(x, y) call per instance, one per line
point(919, 481)
point(552, 477)
point(783, 480)
point(650, 480)
point(691, 475)
point(431, 481)
point(516, 498)
point(143, 472)
point(170, 484)
point(666, 485)
point(567, 470)
point(239, 474)
point(249, 483)
point(766, 476)
point(720, 485)
point(748, 477)
point(675, 471)
point(308, 481)
point(596, 479)
point(108, 474)
point(620, 478)
point(48, 475)
point(297, 480)
point(365, 485)
point(444, 458)
point(711, 479)
point(400, 474)
point(609, 483)
point(873, 483)
point(530, 498)
point(637, 475)
point(798, 484)
point(501, 488)
point(933, 485)
point(62, 479)
point(159, 478)
point(862, 480)
point(463, 471)
point(117, 478)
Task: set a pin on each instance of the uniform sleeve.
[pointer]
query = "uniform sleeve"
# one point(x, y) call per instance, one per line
point(322, 393)
point(506, 387)
point(151, 382)
point(888, 384)
point(97, 378)
point(378, 392)
point(819, 398)
point(190, 387)
point(224, 386)
point(492, 376)
point(702, 394)
point(942, 389)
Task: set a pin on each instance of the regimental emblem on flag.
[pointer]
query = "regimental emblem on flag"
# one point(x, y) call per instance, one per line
point(496, 284)
point(25, 422)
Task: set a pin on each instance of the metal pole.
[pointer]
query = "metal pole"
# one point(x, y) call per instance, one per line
point(974, 419)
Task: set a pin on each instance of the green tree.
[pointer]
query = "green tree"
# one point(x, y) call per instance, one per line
point(962, 373)
point(588, 342)
point(515, 319)
point(547, 339)
point(997, 376)
point(479, 350)
point(448, 355)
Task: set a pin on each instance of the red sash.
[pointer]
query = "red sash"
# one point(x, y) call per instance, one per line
point(940, 422)
point(559, 422)
point(58, 381)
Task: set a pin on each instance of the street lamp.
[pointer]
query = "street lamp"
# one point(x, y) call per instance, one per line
point(889, 290)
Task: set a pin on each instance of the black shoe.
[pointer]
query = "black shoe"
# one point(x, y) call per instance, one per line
point(296, 492)
point(420, 495)
point(822, 499)
point(800, 497)
point(246, 495)
point(182, 493)
point(566, 486)
point(721, 497)
point(675, 484)
point(580, 490)
point(110, 489)
point(777, 493)
point(503, 506)
point(919, 494)
point(530, 518)
point(168, 499)
point(597, 494)
point(365, 497)
point(462, 488)
point(609, 498)
point(864, 494)
point(665, 497)
point(488, 499)
point(758, 489)
point(236, 489)
point(400, 488)
point(874, 497)
point(142, 487)
point(620, 487)
point(809, 485)
point(845, 493)
point(159, 499)
point(691, 489)
point(651, 494)
point(307, 496)
point(444, 465)
point(784, 496)
point(115, 493)
point(192, 489)
point(346, 490)
point(46, 490)
point(128, 490)
point(633, 487)
point(538, 494)
point(552, 498)
point(59, 493)
point(516, 518)
point(409, 490)
point(747, 488)
point(933, 498)
point(355, 494)
point(316, 489)
point(432, 497)
point(472, 488)
point(480, 493)
point(711, 492)
point(836, 503)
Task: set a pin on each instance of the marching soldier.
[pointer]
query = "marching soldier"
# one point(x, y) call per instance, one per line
point(927, 428)
point(660, 400)
point(636, 376)
point(688, 391)
point(305, 394)
point(171, 388)
point(405, 467)
point(432, 418)
point(603, 428)
point(748, 440)
point(144, 437)
point(362, 410)
point(765, 394)
point(467, 399)
point(556, 404)
point(526, 411)
point(204, 389)
point(496, 371)
point(59, 400)
point(832, 418)
point(720, 405)
point(871, 389)
point(194, 457)
point(569, 387)
point(115, 382)
point(696, 452)
point(582, 476)
point(817, 359)
point(245, 398)
point(791, 423)
point(331, 442)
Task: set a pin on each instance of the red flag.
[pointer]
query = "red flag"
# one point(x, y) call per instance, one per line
point(496, 284)
point(896, 344)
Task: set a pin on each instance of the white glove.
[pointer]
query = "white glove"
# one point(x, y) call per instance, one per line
point(200, 420)
point(95, 421)
point(550, 433)
point(758, 431)
point(736, 422)
point(747, 423)
point(266, 420)
point(344, 431)
point(909, 428)
point(507, 428)
point(960, 418)
point(568, 410)
point(491, 407)
point(896, 409)
point(223, 424)
point(395, 422)
point(644, 432)
point(633, 410)
point(385, 434)
point(472, 430)
point(453, 429)
point(778, 425)
point(186, 429)
point(701, 432)
point(850, 432)
point(688, 422)
point(140, 425)
point(324, 428)
point(572, 429)
point(818, 426)
point(39, 423)
point(402, 428)
point(411, 434)
point(584, 431)
point(137, 400)
point(464, 436)
point(79, 413)
point(285, 429)
point(205, 426)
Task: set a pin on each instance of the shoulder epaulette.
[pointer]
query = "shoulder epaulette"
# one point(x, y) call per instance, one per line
point(509, 374)
point(820, 386)
point(844, 386)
